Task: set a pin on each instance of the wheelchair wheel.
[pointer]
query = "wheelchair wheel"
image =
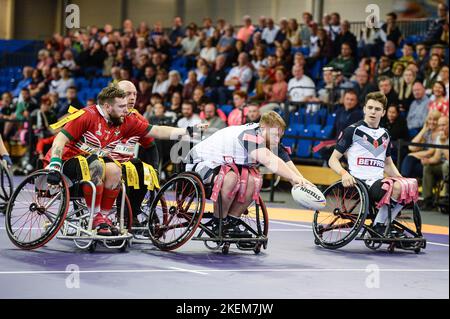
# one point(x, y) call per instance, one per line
point(6, 187)
point(342, 218)
point(35, 213)
point(176, 211)
point(256, 221)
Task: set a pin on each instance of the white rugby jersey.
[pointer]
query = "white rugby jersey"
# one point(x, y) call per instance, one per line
point(231, 143)
point(367, 149)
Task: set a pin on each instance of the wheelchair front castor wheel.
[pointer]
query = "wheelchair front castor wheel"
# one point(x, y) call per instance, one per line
point(317, 242)
point(391, 248)
point(257, 249)
point(124, 248)
point(417, 250)
point(92, 247)
point(226, 249)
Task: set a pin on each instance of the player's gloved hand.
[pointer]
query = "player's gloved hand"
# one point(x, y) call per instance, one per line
point(54, 178)
point(8, 160)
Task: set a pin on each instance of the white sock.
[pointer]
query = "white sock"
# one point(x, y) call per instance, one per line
point(395, 211)
point(382, 215)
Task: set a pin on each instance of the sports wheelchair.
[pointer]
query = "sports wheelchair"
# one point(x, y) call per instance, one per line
point(36, 213)
point(6, 187)
point(180, 211)
point(349, 210)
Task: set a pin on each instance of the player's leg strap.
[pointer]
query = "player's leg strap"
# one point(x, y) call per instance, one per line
point(409, 190)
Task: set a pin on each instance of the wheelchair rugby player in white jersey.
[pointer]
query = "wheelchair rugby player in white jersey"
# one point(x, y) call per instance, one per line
point(228, 160)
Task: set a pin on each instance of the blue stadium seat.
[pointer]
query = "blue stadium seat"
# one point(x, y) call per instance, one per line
point(297, 117)
point(304, 146)
point(312, 118)
point(81, 83)
point(331, 118)
point(287, 141)
point(314, 128)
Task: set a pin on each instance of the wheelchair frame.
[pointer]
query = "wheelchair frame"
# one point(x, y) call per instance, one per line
point(205, 234)
point(369, 235)
point(5, 190)
point(76, 225)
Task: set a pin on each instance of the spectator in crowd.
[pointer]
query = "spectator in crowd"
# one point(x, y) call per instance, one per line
point(412, 165)
point(262, 81)
point(383, 68)
point(190, 85)
point(214, 122)
point(432, 72)
point(397, 128)
point(239, 77)
point(189, 117)
point(190, 46)
point(435, 167)
point(347, 114)
point(174, 84)
point(346, 36)
point(253, 114)
point(239, 113)
point(23, 110)
point(282, 32)
point(300, 88)
point(143, 97)
point(439, 101)
point(390, 50)
point(405, 90)
point(385, 86)
point(443, 77)
point(363, 86)
point(44, 59)
point(177, 33)
point(305, 32)
point(245, 33)
point(61, 83)
point(209, 52)
point(216, 79)
point(160, 117)
point(161, 85)
point(334, 26)
point(208, 27)
point(293, 34)
point(27, 73)
point(418, 109)
point(344, 61)
point(226, 42)
point(38, 86)
point(270, 32)
point(436, 28)
point(71, 100)
point(68, 61)
point(391, 30)
point(7, 109)
point(277, 92)
point(175, 107)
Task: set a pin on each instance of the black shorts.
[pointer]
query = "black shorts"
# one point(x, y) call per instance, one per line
point(376, 193)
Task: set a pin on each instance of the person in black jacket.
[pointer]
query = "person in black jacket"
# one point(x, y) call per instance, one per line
point(397, 128)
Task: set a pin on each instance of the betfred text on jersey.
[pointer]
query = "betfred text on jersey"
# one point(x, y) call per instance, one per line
point(363, 161)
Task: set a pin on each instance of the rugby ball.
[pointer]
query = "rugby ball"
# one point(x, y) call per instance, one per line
point(309, 197)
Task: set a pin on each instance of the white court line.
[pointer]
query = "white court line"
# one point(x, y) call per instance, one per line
point(186, 270)
point(290, 224)
point(204, 271)
point(288, 230)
